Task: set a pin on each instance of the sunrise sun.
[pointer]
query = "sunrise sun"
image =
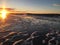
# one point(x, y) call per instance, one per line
point(3, 13)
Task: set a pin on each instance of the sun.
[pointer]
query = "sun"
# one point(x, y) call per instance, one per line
point(4, 13)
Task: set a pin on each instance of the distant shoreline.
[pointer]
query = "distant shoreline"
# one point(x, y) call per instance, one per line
point(32, 14)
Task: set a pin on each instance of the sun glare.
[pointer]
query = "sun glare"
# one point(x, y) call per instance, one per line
point(3, 14)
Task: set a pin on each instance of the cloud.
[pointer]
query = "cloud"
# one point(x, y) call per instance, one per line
point(56, 4)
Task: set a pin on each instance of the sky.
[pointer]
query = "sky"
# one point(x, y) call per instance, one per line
point(33, 6)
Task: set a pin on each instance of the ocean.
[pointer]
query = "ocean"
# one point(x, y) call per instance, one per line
point(28, 24)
